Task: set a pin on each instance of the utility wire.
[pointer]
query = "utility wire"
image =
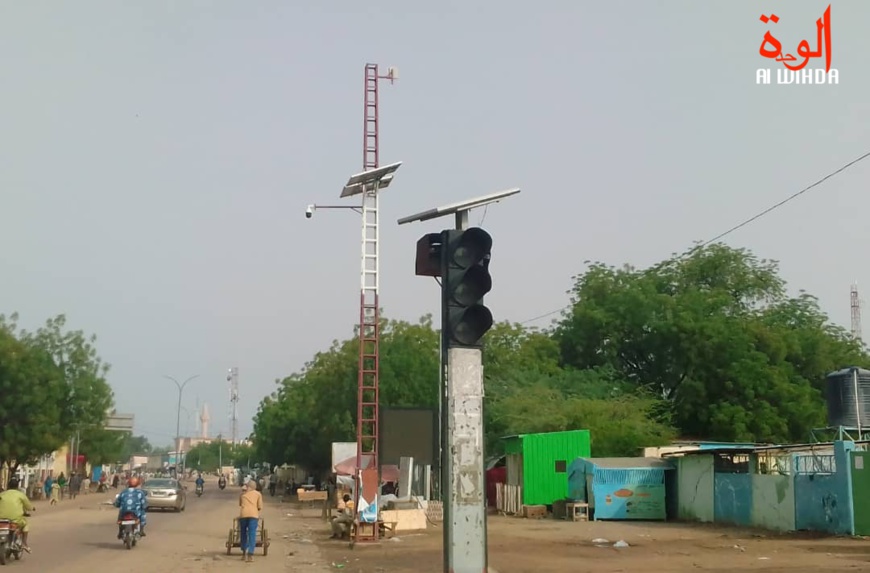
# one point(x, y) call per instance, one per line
point(739, 225)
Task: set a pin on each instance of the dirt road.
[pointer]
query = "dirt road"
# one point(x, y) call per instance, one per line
point(549, 546)
point(79, 536)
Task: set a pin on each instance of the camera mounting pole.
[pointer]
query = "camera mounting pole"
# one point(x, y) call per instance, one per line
point(312, 208)
point(461, 458)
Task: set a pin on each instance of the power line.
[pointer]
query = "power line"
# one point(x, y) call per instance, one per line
point(738, 226)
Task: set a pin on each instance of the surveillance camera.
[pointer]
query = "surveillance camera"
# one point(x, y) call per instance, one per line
point(309, 212)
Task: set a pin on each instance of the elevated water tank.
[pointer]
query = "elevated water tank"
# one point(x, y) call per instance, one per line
point(847, 393)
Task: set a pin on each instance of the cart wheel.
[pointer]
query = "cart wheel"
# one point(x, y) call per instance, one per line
point(230, 543)
point(265, 549)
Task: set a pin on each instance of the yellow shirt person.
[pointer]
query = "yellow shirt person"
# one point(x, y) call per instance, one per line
point(13, 505)
point(250, 504)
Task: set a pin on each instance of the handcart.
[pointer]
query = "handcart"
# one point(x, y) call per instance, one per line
point(234, 537)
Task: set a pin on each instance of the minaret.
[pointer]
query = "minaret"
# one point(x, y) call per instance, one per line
point(203, 420)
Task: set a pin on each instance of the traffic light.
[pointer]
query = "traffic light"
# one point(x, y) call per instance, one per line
point(465, 280)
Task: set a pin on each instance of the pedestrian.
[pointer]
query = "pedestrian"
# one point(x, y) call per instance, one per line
point(46, 486)
point(75, 485)
point(55, 493)
point(61, 481)
point(86, 484)
point(250, 504)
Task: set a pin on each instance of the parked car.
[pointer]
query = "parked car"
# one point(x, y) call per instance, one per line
point(165, 493)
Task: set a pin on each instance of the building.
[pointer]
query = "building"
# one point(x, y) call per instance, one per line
point(537, 464)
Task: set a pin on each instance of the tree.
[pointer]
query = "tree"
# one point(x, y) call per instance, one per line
point(101, 446)
point(317, 406)
point(32, 394)
point(618, 425)
point(52, 383)
point(135, 445)
point(715, 334)
point(89, 396)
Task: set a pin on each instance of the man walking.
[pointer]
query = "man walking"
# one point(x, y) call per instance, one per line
point(250, 504)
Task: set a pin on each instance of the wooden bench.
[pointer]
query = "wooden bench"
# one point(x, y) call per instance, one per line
point(312, 498)
point(386, 529)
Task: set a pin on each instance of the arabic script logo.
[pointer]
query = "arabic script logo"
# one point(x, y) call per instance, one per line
point(798, 73)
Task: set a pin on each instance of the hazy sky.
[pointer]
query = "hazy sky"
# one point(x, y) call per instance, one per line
point(157, 157)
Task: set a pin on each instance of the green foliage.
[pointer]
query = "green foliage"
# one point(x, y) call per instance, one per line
point(618, 424)
point(52, 383)
point(316, 407)
point(708, 345)
point(208, 457)
point(32, 394)
point(136, 445)
point(101, 446)
point(715, 333)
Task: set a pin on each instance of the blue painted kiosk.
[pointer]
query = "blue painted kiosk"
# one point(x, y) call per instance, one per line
point(620, 488)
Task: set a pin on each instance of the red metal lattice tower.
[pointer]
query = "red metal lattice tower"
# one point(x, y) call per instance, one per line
point(369, 326)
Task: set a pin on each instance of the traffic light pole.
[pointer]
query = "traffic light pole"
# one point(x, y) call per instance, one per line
point(464, 498)
point(462, 444)
point(461, 258)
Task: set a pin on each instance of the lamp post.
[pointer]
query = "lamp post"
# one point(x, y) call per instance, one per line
point(180, 386)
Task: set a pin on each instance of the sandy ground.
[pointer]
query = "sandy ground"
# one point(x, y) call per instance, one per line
point(79, 536)
point(543, 546)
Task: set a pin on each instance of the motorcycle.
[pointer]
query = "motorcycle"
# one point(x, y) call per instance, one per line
point(222, 483)
point(130, 534)
point(198, 490)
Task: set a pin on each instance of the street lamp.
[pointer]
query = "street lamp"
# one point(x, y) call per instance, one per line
point(180, 386)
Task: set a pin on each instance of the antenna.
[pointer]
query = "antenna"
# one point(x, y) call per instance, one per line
point(856, 313)
point(233, 379)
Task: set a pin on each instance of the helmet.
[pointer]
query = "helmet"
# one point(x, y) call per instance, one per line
point(133, 482)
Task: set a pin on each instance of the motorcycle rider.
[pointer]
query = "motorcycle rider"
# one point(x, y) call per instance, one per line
point(132, 500)
point(13, 505)
point(200, 483)
point(222, 482)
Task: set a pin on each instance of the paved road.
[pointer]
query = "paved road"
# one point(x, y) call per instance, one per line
point(80, 536)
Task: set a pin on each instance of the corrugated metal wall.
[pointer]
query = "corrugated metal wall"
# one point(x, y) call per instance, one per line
point(546, 458)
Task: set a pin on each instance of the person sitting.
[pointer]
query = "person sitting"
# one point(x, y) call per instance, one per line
point(132, 500)
point(13, 505)
point(200, 483)
point(341, 523)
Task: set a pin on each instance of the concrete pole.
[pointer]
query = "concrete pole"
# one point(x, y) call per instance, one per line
point(465, 507)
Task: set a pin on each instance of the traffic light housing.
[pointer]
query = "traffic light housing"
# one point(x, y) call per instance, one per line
point(428, 262)
point(465, 279)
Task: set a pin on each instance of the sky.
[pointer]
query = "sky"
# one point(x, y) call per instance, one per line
point(157, 158)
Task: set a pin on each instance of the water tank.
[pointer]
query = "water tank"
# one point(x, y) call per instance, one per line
point(847, 393)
